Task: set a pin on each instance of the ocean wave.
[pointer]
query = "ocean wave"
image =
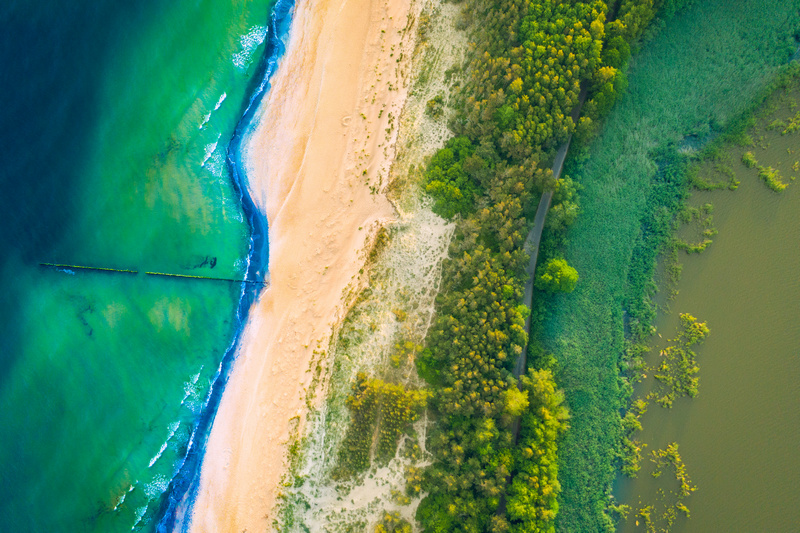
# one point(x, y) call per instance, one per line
point(140, 512)
point(190, 387)
point(210, 149)
point(122, 498)
point(216, 164)
point(221, 99)
point(157, 487)
point(249, 43)
point(207, 116)
point(172, 429)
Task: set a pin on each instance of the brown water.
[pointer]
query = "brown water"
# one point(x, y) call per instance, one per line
point(740, 437)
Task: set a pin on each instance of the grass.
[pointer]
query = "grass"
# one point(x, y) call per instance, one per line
point(697, 74)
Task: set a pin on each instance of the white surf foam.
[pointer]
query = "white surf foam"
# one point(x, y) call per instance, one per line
point(216, 164)
point(156, 487)
point(172, 429)
point(190, 387)
point(122, 498)
point(221, 99)
point(209, 150)
point(206, 118)
point(249, 42)
point(140, 512)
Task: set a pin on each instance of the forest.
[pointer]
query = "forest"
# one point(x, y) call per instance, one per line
point(495, 437)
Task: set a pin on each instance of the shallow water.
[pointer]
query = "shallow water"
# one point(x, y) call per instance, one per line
point(739, 437)
point(116, 121)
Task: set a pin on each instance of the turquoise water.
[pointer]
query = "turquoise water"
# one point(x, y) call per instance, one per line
point(116, 124)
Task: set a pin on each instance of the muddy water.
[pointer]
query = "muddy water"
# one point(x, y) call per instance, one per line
point(740, 436)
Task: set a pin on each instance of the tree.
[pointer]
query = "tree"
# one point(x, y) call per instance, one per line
point(558, 276)
point(516, 401)
point(448, 183)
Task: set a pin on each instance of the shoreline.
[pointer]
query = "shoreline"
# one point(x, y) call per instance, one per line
point(182, 491)
point(318, 174)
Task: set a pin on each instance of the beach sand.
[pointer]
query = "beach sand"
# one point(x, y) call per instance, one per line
point(318, 164)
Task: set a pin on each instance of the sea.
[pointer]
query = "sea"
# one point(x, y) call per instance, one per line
point(120, 126)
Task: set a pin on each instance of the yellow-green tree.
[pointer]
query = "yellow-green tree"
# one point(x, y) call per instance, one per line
point(557, 276)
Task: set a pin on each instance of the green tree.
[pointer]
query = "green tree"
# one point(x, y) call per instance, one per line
point(558, 276)
point(451, 187)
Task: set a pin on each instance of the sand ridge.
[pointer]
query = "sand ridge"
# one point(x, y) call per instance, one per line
point(318, 162)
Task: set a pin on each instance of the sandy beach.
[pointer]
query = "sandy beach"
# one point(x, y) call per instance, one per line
point(318, 163)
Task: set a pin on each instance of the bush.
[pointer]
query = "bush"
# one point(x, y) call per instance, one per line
point(435, 106)
point(448, 183)
point(375, 404)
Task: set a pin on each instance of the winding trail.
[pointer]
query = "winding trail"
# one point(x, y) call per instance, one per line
point(531, 246)
point(534, 237)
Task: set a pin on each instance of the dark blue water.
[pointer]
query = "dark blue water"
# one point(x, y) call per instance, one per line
point(47, 86)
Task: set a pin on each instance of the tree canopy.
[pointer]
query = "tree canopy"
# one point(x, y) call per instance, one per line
point(557, 276)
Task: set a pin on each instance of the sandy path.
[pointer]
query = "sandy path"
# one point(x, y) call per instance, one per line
point(326, 120)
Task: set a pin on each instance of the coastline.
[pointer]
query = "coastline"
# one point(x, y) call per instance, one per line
point(182, 491)
point(317, 162)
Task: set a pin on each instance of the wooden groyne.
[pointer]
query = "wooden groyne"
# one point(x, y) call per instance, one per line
point(190, 276)
point(159, 274)
point(96, 269)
